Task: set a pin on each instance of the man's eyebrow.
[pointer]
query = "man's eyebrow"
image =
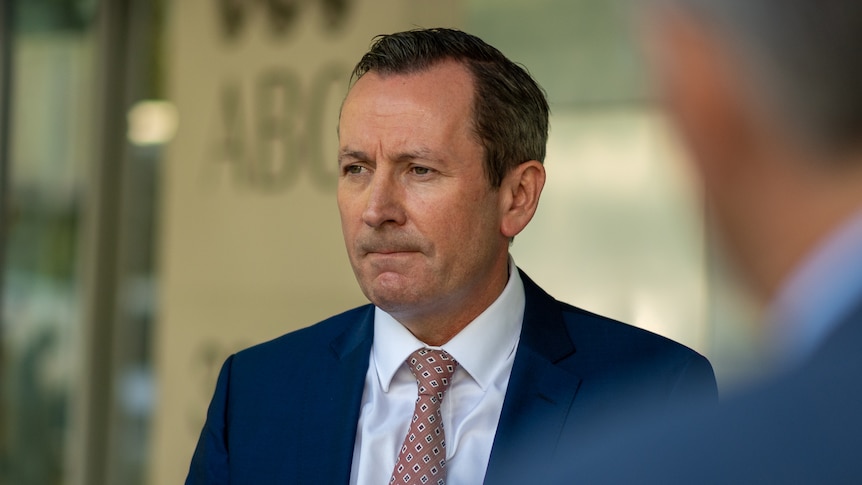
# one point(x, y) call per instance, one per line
point(421, 153)
point(348, 154)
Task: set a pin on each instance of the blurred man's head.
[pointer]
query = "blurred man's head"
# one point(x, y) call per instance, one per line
point(426, 233)
point(766, 95)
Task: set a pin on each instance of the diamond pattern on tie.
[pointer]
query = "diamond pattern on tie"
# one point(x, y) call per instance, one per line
point(422, 459)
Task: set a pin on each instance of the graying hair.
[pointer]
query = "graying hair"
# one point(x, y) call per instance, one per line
point(803, 58)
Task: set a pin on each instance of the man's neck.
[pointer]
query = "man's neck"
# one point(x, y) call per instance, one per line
point(437, 325)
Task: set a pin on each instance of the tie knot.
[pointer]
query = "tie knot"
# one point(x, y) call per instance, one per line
point(433, 370)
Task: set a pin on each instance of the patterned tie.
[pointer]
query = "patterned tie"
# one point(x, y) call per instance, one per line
point(422, 459)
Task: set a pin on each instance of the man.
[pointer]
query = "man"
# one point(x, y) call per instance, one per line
point(767, 95)
point(441, 146)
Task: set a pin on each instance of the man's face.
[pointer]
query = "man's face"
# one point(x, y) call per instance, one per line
point(420, 220)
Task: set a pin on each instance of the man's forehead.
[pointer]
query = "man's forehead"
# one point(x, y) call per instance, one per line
point(446, 75)
point(432, 94)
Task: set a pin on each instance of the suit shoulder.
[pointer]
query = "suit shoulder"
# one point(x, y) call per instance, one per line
point(308, 339)
point(636, 365)
point(612, 337)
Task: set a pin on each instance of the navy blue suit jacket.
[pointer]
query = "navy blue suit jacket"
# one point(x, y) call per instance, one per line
point(802, 426)
point(286, 411)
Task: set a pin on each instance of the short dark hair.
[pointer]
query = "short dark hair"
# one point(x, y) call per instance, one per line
point(510, 111)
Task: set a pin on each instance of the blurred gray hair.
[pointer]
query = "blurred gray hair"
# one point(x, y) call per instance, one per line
point(802, 57)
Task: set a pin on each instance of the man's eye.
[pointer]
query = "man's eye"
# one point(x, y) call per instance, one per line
point(421, 170)
point(353, 169)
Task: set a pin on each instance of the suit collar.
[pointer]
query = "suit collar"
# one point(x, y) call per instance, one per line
point(540, 392)
point(538, 398)
point(329, 425)
point(544, 330)
point(357, 335)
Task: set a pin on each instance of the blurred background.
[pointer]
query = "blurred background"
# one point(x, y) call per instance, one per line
point(167, 178)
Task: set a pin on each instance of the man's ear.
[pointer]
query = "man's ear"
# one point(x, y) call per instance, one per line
point(519, 196)
point(698, 80)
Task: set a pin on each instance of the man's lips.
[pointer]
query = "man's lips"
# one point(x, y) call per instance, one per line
point(387, 252)
point(385, 248)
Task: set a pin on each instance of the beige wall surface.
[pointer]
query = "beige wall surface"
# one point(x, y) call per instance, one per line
point(250, 242)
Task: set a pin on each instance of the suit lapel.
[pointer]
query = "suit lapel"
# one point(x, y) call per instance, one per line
point(540, 393)
point(329, 424)
point(538, 399)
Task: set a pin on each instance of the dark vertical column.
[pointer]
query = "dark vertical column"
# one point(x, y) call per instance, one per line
point(111, 109)
point(6, 51)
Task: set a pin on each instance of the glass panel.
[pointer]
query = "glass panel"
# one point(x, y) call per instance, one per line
point(49, 152)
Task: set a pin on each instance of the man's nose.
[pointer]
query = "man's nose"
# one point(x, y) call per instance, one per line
point(385, 201)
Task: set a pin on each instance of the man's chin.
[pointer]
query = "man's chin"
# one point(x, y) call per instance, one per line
point(391, 297)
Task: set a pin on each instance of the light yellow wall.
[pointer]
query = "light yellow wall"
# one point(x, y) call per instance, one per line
point(250, 246)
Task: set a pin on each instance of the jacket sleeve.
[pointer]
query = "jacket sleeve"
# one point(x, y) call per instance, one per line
point(210, 461)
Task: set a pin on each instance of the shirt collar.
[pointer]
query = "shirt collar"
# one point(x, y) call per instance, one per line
point(480, 348)
point(818, 294)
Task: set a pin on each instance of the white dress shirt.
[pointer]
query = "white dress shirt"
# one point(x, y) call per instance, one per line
point(819, 293)
point(484, 349)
